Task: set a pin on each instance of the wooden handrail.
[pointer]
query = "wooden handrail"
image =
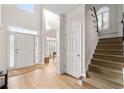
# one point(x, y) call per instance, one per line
point(95, 19)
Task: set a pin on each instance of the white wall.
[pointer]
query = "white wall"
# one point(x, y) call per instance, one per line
point(90, 37)
point(3, 61)
point(13, 16)
point(0, 15)
point(76, 17)
point(119, 16)
point(21, 18)
point(50, 19)
point(51, 33)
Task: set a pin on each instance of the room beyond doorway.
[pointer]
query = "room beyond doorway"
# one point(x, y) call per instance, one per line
point(49, 33)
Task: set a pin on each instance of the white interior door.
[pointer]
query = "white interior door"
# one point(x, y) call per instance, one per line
point(73, 51)
point(24, 49)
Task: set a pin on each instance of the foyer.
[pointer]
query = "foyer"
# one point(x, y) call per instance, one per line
point(61, 46)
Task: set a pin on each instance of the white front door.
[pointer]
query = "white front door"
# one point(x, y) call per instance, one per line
point(73, 50)
point(24, 48)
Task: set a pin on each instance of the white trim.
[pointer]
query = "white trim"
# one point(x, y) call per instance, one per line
point(60, 46)
point(21, 30)
point(49, 38)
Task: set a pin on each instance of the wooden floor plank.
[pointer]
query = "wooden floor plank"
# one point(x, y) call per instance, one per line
point(44, 78)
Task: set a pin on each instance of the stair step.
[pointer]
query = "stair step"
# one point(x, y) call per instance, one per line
point(115, 58)
point(106, 71)
point(109, 51)
point(112, 38)
point(115, 39)
point(106, 63)
point(108, 77)
point(109, 47)
point(111, 81)
point(96, 83)
point(106, 68)
point(111, 43)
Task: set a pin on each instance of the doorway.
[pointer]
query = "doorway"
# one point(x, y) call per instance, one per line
point(51, 49)
point(23, 50)
point(73, 50)
point(50, 26)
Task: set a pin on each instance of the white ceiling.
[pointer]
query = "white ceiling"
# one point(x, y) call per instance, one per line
point(59, 8)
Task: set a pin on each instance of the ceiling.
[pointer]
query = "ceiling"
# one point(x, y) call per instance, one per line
point(59, 8)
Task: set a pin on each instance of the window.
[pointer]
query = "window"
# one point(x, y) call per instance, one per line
point(12, 51)
point(22, 30)
point(36, 49)
point(51, 45)
point(26, 7)
point(103, 18)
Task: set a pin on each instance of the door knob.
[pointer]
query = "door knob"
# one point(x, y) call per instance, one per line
point(16, 51)
point(78, 55)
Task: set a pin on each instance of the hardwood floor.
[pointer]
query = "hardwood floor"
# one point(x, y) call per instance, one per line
point(44, 78)
point(19, 71)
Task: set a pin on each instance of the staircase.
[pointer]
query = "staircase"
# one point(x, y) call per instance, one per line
point(106, 68)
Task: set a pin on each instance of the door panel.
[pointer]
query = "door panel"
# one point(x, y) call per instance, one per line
point(24, 50)
point(72, 53)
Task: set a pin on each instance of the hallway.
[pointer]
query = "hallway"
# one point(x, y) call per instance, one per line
point(44, 78)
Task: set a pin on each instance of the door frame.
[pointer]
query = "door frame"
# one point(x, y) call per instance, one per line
point(14, 33)
point(10, 33)
point(59, 43)
point(81, 54)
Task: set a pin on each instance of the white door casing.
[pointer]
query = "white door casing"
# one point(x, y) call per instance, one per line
point(73, 50)
point(24, 48)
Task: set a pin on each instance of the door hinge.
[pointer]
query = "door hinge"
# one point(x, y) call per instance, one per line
point(64, 66)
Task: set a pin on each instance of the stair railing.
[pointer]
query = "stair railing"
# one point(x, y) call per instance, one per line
point(123, 24)
point(95, 19)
